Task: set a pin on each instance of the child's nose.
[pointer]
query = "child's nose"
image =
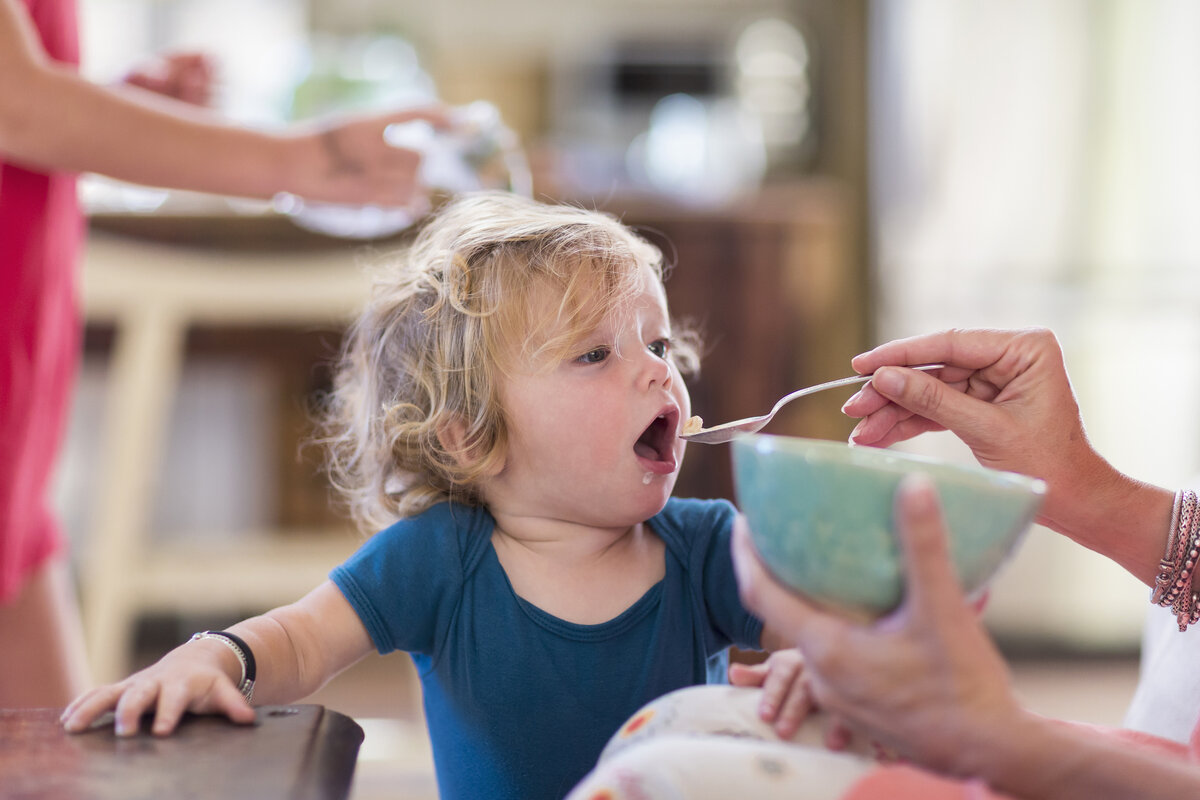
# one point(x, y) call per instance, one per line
point(656, 371)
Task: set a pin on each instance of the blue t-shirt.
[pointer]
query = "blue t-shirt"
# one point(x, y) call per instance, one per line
point(520, 703)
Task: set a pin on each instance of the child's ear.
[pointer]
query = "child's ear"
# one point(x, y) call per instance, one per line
point(452, 435)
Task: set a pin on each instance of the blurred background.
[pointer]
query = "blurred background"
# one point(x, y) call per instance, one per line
point(824, 174)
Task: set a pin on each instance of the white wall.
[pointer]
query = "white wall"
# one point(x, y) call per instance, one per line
point(1035, 164)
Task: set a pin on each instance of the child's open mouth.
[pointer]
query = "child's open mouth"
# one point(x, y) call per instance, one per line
point(655, 448)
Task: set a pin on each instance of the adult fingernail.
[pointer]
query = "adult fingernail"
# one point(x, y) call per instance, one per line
point(889, 381)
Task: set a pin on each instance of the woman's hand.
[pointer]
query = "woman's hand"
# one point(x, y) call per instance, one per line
point(196, 676)
point(348, 160)
point(926, 682)
point(1007, 396)
point(187, 77)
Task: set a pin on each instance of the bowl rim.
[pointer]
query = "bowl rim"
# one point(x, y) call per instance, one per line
point(830, 450)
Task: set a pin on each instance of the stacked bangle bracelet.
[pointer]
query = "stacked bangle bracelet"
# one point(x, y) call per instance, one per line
point(244, 656)
point(1174, 585)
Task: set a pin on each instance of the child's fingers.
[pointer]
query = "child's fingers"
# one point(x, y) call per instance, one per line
point(794, 709)
point(781, 682)
point(218, 696)
point(233, 704)
point(173, 700)
point(72, 706)
point(137, 698)
point(84, 709)
point(747, 674)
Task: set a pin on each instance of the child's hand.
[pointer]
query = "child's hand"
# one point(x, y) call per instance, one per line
point(785, 697)
point(193, 677)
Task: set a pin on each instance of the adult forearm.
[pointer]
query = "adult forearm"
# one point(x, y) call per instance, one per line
point(59, 121)
point(1044, 759)
point(1121, 518)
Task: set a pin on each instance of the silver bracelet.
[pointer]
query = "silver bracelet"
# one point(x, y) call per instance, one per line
point(244, 656)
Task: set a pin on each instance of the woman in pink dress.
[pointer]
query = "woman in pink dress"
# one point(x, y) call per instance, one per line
point(54, 124)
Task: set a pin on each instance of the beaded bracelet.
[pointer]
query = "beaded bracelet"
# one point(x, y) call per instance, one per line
point(1166, 567)
point(1176, 575)
point(1180, 537)
point(1185, 606)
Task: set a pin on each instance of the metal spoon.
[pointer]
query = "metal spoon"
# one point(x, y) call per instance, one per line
point(719, 434)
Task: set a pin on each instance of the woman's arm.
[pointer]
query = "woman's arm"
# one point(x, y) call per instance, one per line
point(52, 119)
point(297, 649)
point(1037, 758)
point(1007, 396)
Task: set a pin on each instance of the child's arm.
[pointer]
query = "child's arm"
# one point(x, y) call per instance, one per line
point(297, 648)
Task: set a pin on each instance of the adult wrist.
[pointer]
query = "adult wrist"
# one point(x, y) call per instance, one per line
point(1124, 519)
point(300, 162)
point(992, 749)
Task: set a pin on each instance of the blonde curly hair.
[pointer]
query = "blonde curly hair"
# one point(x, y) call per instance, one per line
point(463, 306)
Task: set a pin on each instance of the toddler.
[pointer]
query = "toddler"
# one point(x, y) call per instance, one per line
point(506, 410)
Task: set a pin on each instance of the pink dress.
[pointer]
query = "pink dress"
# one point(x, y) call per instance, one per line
point(41, 229)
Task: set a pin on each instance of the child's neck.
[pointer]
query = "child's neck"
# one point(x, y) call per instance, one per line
point(575, 572)
point(561, 540)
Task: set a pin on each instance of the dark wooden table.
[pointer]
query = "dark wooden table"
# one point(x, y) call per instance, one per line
point(300, 751)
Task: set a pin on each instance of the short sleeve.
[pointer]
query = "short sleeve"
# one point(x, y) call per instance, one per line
point(720, 583)
point(703, 532)
point(405, 582)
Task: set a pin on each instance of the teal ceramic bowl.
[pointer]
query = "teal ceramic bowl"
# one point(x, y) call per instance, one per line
point(820, 514)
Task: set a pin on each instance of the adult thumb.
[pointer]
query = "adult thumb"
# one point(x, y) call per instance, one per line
point(930, 577)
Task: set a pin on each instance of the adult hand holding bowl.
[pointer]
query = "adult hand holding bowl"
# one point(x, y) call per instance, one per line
point(820, 516)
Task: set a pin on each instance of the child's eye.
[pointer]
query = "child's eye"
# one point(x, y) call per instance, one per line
point(594, 356)
point(661, 347)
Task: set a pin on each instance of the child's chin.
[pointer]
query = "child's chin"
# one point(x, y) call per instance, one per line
point(640, 505)
point(658, 493)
